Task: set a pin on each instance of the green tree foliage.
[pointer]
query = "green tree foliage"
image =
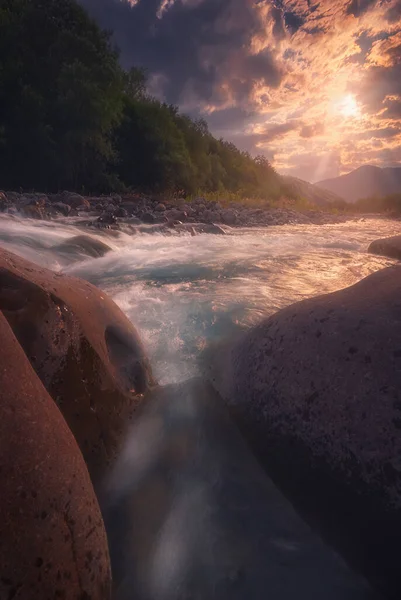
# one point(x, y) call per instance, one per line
point(70, 117)
point(60, 95)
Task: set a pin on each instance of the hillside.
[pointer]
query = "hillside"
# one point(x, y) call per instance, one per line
point(311, 192)
point(367, 181)
point(74, 118)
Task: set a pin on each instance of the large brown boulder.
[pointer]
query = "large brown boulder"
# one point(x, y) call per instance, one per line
point(317, 391)
point(86, 352)
point(390, 247)
point(53, 542)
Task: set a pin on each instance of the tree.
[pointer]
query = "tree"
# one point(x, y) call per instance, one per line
point(60, 96)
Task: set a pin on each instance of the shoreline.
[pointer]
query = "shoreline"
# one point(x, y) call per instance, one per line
point(133, 211)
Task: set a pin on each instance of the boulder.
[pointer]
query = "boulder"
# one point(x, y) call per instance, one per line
point(107, 219)
point(160, 207)
point(86, 352)
point(32, 211)
point(84, 244)
point(390, 247)
point(75, 201)
point(121, 213)
point(229, 217)
point(148, 218)
point(61, 207)
point(176, 215)
point(53, 542)
point(316, 389)
point(131, 206)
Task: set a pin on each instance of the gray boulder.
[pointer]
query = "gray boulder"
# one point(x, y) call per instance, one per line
point(390, 247)
point(229, 217)
point(176, 215)
point(62, 208)
point(316, 389)
point(121, 213)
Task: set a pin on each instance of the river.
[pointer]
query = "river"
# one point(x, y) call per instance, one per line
point(189, 512)
point(185, 292)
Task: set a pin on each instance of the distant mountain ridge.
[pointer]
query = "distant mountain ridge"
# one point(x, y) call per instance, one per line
point(365, 182)
point(311, 192)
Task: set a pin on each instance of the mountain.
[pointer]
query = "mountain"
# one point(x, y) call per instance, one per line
point(367, 181)
point(311, 192)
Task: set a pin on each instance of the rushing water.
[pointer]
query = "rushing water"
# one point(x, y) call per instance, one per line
point(189, 513)
point(185, 292)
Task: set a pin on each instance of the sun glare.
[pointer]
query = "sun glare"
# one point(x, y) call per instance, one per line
point(348, 107)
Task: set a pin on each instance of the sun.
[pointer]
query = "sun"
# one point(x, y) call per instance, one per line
point(349, 107)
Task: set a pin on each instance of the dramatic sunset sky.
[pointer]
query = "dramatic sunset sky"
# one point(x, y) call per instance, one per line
point(315, 86)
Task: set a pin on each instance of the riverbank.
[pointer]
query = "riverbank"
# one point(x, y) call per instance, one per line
point(139, 209)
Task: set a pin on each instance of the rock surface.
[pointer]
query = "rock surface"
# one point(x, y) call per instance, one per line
point(86, 352)
point(316, 389)
point(53, 542)
point(85, 245)
point(190, 514)
point(113, 210)
point(390, 247)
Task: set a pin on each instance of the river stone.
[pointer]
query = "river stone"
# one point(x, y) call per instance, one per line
point(316, 389)
point(32, 211)
point(84, 244)
point(75, 201)
point(390, 247)
point(53, 542)
point(61, 207)
point(86, 352)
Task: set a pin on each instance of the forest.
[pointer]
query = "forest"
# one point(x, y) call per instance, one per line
point(72, 118)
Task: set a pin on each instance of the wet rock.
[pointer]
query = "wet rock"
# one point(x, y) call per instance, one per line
point(176, 215)
point(53, 542)
point(390, 247)
point(107, 219)
point(130, 206)
point(83, 244)
point(75, 201)
point(204, 228)
point(147, 217)
point(316, 389)
point(32, 212)
point(121, 213)
point(62, 208)
point(86, 352)
point(134, 221)
point(229, 217)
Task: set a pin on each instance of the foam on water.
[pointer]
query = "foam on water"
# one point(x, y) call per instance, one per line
point(185, 292)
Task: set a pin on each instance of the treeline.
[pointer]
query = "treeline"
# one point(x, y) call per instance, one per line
point(385, 204)
point(72, 118)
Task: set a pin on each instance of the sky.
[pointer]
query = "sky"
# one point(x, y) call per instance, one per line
point(313, 85)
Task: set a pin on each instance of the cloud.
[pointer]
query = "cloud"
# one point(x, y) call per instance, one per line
point(314, 83)
point(309, 131)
